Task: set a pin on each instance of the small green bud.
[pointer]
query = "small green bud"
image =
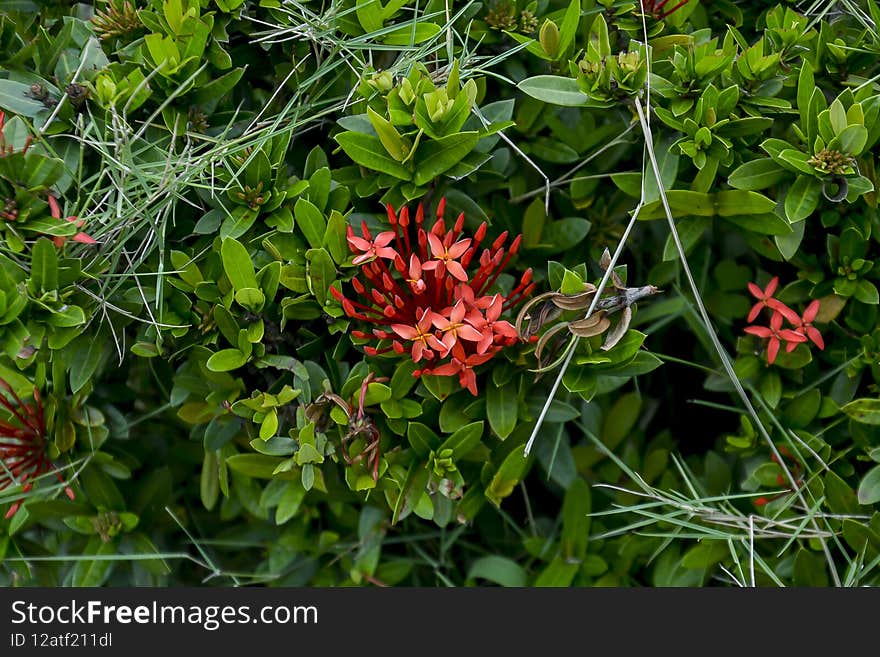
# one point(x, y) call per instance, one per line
point(549, 38)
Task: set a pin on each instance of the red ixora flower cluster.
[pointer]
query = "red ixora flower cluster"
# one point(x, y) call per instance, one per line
point(417, 291)
point(23, 455)
point(801, 330)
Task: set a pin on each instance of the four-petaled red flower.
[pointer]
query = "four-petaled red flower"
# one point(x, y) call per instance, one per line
point(489, 325)
point(371, 248)
point(419, 290)
point(422, 337)
point(23, 442)
point(776, 335)
point(802, 326)
point(454, 327)
point(447, 256)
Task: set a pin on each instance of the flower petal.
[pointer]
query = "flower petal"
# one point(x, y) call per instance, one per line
point(457, 250)
point(757, 292)
point(760, 331)
point(384, 239)
point(456, 270)
point(436, 245)
point(811, 311)
point(404, 331)
point(359, 243)
point(816, 337)
point(54, 210)
point(793, 318)
point(772, 350)
point(754, 312)
point(469, 333)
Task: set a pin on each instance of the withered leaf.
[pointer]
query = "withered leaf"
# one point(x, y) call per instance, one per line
point(615, 334)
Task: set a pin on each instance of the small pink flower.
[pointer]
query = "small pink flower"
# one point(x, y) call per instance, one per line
point(454, 327)
point(492, 329)
point(447, 256)
point(422, 338)
point(776, 335)
point(377, 248)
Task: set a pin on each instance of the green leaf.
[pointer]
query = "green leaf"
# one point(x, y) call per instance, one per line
point(388, 135)
point(237, 264)
point(310, 221)
point(809, 569)
point(405, 35)
point(508, 475)
point(370, 15)
point(806, 86)
point(555, 90)
point(864, 410)
point(226, 360)
point(735, 202)
point(869, 488)
point(690, 230)
point(437, 156)
point(764, 224)
point(852, 140)
point(802, 198)
point(789, 243)
point(44, 266)
point(15, 98)
point(258, 466)
point(576, 506)
point(368, 151)
point(756, 174)
point(621, 419)
point(321, 273)
point(498, 570)
point(334, 237)
point(866, 292)
point(839, 495)
point(501, 409)
point(422, 438)
point(250, 298)
point(464, 440)
point(209, 480)
point(93, 572)
point(85, 356)
point(290, 502)
point(569, 26)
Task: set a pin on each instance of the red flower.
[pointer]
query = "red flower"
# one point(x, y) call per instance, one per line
point(446, 256)
point(454, 326)
point(423, 339)
point(804, 325)
point(490, 326)
point(59, 240)
point(776, 335)
point(419, 290)
point(23, 445)
point(463, 365)
point(370, 248)
point(765, 297)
